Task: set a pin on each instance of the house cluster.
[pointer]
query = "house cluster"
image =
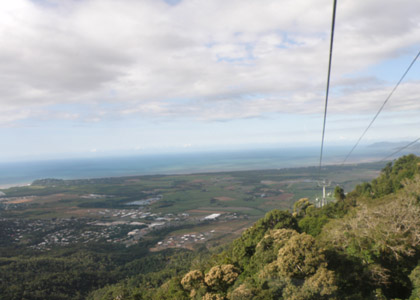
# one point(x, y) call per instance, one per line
point(185, 240)
point(125, 226)
point(43, 234)
point(138, 213)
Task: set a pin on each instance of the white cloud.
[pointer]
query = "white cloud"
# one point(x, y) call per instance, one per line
point(229, 59)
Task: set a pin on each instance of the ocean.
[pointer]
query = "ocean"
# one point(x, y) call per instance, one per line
point(21, 173)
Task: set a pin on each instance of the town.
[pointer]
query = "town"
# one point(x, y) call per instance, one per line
point(116, 226)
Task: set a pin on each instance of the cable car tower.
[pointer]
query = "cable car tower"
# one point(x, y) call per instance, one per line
point(323, 201)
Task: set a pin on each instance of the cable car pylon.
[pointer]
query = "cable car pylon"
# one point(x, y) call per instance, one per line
point(323, 201)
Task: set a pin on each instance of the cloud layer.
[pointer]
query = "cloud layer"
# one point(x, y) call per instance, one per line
point(98, 60)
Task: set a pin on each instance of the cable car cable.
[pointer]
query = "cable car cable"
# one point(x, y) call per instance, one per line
point(381, 108)
point(328, 83)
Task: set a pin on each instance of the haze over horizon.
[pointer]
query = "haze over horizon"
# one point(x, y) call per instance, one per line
point(91, 77)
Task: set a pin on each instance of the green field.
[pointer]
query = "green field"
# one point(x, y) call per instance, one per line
point(248, 192)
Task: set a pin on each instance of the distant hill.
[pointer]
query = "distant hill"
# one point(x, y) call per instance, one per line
point(395, 145)
point(388, 144)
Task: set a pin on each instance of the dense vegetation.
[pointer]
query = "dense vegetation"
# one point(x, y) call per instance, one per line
point(366, 245)
point(71, 273)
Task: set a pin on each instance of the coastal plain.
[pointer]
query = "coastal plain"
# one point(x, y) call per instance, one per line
point(179, 211)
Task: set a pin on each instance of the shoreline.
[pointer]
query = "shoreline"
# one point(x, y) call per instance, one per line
point(10, 185)
point(23, 174)
point(180, 173)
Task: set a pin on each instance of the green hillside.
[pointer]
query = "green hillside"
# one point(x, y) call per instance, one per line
point(366, 245)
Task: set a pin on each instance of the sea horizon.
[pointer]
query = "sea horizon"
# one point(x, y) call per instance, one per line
point(24, 173)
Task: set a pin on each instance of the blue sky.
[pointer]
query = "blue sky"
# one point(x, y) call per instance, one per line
point(101, 77)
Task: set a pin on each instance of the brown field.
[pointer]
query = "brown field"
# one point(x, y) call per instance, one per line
point(132, 181)
point(230, 188)
point(204, 211)
point(18, 200)
point(76, 211)
point(223, 198)
point(282, 197)
point(221, 210)
point(56, 197)
point(224, 231)
point(198, 181)
point(270, 182)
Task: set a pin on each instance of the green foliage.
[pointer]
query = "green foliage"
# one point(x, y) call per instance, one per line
point(361, 190)
point(313, 224)
point(300, 207)
point(314, 219)
point(300, 268)
point(339, 193)
point(384, 237)
point(276, 219)
point(370, 248)
point(243, 248)
point(242, 292)
point(391, 178)
point(415, 281)
point(317, 287)
point(49, 277)
point(268, 247)
point(285, 264)
point(212, 285)
point(169, 290)
point(220, 277)
point(73, 273)
point(352, 276)
point(299, 257)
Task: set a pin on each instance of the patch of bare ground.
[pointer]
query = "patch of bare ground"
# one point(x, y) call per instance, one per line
point(215, 233)
point(57, 197)
point(76, 211)
point(198, 181)
point(282, 197)
point(222, 209)
point(18, 200)
point(270, 182)
point(230, 188)
point(132, 181)
point(204, 211)
point(223, 198)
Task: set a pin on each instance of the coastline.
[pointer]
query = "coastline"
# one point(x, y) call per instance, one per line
point(6, 186)
point(24, 173)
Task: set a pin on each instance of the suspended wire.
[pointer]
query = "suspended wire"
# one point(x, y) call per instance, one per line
point(400, 149)
point(381, 108)
point(328, 83)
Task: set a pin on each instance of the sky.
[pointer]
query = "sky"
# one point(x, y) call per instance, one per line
point(101, 77)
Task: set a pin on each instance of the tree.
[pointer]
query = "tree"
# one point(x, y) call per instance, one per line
point(219, 278)
point(243, 248)
point(301, 269)
point(268, 248)
point(300, 206)
point(192, 282)
point(415, 281)
point(322, 285)
point(213, 296)
point(300, 257)
point(385, 237)
point(242, 292)
point(339, 193)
